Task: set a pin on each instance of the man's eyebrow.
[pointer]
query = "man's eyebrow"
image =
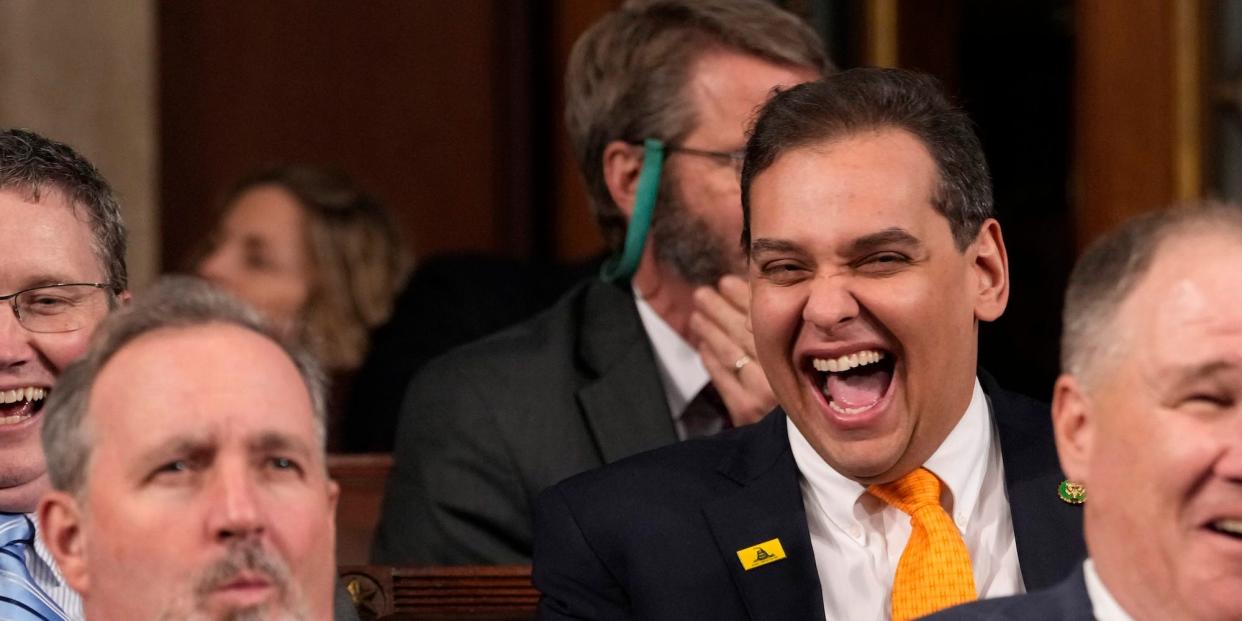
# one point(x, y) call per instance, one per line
point(47, 278)
point(892, 236)
point(270, 441)
point(178, 446)
point(1182, 373)
point(772, 245)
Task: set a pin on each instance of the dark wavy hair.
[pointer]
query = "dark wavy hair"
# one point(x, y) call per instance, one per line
point(859, 100)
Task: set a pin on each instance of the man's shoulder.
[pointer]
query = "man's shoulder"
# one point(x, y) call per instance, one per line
point(686, 473)
point(550, 337)
point(1065, 601)
point(1020, 418)
point(1010, 402)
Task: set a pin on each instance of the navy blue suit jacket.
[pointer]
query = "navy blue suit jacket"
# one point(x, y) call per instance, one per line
point(1067, 601)
point(656, 536)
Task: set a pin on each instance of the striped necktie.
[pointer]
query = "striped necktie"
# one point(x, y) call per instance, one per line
point(934, 571)
point(20, 598)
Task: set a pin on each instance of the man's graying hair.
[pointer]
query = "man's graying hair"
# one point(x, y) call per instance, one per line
point(176, 302)
point(628, 73)
point(31, 165)
point(1112, 266)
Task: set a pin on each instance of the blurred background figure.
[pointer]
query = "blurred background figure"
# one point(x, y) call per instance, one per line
point(316, 255)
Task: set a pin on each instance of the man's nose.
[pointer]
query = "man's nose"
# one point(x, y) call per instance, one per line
point(1229, 465)
point(830, 303)
point(236, 512)
point(212, 266)
point(15, 348)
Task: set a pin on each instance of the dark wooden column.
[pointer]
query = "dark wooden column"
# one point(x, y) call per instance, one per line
point(1138, 134)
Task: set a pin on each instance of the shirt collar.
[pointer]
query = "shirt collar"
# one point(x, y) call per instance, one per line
point(41, 554)
point(1103, 606)
point(681, 370)
point(960, 462)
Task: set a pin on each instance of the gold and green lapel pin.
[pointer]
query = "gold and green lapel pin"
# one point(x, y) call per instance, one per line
point(1071, 492)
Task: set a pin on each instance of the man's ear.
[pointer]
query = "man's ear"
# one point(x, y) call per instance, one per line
point(991, 266)
point(60, 526)
point(1073, 425)
point(622, 164)
point(334, 496)
point(124, 297)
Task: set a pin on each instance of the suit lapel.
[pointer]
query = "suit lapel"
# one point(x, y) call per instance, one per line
point(624, 406)
point(767, 506)
point(1047, 531)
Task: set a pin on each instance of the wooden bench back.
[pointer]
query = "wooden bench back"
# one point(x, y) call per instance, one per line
point(501, 593)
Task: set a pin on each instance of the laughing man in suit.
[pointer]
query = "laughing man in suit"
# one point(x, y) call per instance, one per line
point(1148, 416)
point(873, 256)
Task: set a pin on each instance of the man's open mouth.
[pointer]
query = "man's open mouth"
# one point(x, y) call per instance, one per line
point(1230, 527)
point(19, 404)
point(853, 383)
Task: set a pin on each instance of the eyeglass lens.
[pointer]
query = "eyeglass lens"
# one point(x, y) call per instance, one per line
point(58, 308)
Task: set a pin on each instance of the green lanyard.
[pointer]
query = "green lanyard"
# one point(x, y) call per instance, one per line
point(622, 265)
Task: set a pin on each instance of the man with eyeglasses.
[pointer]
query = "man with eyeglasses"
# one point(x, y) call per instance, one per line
point(658, 96)
point(62, 267)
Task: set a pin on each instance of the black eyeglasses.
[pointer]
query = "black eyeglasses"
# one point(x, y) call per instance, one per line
point(58, 308)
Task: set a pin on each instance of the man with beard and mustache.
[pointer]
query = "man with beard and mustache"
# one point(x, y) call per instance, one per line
point(658, 94)
point(186, 453)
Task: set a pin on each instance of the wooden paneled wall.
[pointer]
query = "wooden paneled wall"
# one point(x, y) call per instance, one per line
point(84, 74)
point(449, 111)
point(1137, 125)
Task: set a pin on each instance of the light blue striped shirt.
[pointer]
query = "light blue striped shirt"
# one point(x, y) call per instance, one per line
point(42, 568)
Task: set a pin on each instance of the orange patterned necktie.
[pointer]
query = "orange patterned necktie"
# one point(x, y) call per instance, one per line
point(934, 572)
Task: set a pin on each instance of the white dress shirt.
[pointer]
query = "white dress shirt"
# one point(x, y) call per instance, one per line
point(858, 539)
point(681, 370)
point(42, 568)
point(1103, 606)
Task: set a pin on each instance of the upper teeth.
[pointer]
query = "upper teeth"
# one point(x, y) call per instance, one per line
point(1229, 525)
point(29, 393)
point(848, 361)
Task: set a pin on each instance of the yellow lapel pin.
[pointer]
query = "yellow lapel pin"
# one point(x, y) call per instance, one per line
point(762, 554)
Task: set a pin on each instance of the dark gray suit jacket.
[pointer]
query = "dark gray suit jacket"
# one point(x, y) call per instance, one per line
point(656, 536)
point(343, 608)
point(1067, 601)
point(488, 426)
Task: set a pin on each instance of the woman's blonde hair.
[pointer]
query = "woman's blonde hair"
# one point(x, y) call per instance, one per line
point(358, 260)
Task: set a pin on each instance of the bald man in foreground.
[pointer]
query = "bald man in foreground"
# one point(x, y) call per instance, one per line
point(1148, 418)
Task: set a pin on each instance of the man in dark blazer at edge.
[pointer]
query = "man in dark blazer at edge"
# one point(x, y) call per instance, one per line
point(1148, 417)
point(612, 368)
point(873, 254)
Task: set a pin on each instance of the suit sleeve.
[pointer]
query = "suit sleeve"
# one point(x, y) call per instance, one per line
point(343, 605)
point(572, 580)
point(453, 497)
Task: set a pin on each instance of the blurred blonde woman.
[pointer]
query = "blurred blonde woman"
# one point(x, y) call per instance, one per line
point(316, 255)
